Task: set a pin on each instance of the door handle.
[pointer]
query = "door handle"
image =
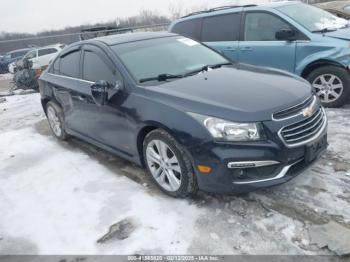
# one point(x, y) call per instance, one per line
point(246, 49)
point(230, 48)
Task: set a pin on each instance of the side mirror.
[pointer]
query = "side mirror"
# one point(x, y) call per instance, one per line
point(99, 92)
point(286, 34)
point(114, 89)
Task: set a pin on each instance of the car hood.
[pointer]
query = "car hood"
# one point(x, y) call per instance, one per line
point(343, 34)
point(237, 93)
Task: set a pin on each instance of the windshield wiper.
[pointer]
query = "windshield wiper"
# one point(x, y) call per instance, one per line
point(160, 78)
point(164, 77)
point(206, 68)
point(325, 30)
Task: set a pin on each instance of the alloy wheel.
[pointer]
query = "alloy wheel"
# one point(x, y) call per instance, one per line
point(328, 87)
point(163, 165)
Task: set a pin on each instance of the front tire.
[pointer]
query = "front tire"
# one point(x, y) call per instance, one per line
point(168, 164)
point(331, 85)
point(55, 118)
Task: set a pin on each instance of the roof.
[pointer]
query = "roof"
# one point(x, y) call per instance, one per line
point(229, 9)
point(131, 37)
point(281, 3)
point(220, 8)
point(19, 50)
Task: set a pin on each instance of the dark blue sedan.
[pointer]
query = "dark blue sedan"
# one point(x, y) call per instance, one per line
point(194, 119)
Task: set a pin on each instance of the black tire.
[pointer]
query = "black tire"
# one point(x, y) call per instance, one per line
point(188, 185)
point(59, 113)
point(342, 74)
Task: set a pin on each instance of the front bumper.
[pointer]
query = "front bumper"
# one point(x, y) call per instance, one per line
point(239, 168)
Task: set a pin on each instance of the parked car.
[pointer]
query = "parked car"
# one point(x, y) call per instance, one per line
point(41, 57)
point(10, 57)
point(185, 112)
point(338, 8)
point(292, 36)
point(99, 31)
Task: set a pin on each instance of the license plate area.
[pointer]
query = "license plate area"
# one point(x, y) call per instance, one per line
point(314, 149)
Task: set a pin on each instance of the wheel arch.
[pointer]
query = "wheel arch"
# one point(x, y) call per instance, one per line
point(317, 64)
point(144, 131)
point(45, 100)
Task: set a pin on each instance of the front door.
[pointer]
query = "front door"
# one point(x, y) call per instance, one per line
point(259, 45)
point(105, 124)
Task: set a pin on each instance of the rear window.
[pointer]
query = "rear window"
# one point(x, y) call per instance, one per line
point(69, 65)
point(189, 28)
point(221, 28)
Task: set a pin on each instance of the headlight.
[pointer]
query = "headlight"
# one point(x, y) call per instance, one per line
point(230, 131)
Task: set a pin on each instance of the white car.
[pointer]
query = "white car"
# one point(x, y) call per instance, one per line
point(41, 57)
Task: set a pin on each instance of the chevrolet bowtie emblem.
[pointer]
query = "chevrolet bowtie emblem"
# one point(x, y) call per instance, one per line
point(310, 110)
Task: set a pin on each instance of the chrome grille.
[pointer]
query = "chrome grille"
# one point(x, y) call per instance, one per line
point(294, 110)
point(304, 130)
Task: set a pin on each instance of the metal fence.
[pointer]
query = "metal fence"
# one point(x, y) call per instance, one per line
point(13, 44)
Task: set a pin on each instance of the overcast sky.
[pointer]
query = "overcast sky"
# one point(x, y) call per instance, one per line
point(36, 15)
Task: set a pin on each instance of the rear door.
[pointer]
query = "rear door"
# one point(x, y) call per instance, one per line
point(222, 32)
point(259, 45)
point(69, 89)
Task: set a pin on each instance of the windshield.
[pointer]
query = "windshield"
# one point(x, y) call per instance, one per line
point(169, 55)
point(30, 55)
point(313, 18)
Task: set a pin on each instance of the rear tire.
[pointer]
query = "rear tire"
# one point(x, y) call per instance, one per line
point(55, 118)
point(331, 84)
point(168, 164)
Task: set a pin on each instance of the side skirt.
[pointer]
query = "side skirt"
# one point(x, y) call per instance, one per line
point(132, 158)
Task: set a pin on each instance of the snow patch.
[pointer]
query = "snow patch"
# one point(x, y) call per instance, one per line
point(57, 197)
point(7, 76)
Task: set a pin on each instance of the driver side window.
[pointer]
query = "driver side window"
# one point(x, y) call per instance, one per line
point(262, 27)
point(95, 69)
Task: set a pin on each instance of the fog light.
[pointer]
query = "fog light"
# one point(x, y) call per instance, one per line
point(204, 169)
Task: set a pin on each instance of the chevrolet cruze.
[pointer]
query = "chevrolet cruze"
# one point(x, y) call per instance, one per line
point(194, 119)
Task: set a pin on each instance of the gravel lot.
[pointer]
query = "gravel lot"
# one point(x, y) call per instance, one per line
point(72, 198)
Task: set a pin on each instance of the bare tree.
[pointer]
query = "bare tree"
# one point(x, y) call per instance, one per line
point(144, 18)
point(176, 9)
